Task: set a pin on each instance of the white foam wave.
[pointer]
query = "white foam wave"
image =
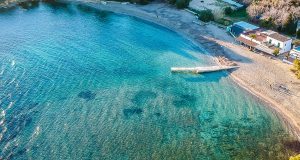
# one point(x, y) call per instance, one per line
point(2, 113)
point(2, 71)
point(13, 62)
point(37, 131)
point(11, 81)
point(10, 105)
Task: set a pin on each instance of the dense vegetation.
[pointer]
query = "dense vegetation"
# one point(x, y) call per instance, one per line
point(280, 15)
point(204, 15)
point(228, 11)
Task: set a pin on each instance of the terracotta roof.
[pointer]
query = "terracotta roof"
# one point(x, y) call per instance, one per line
point(259, 36)
point(246, 41)
point(279, 37)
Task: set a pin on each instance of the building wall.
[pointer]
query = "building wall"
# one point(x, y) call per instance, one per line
point(288, 46)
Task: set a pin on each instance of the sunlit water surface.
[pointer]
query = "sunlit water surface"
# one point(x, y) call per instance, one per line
point(76, 83)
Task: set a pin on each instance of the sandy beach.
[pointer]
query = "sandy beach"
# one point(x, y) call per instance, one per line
point(267, 78)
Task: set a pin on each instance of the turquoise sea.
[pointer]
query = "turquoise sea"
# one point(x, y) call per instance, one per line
point(77, 83)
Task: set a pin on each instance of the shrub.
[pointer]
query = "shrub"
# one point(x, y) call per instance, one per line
point(205, 15)
point(276, 52)
point(28, 4)
point(297, 64)
point(228, 10)
point(180, 4)
point(224, 21)
point(296, 68)
point(172, 1)
point(295, 157)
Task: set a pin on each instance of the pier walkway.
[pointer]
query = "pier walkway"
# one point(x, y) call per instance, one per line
point(202, 69)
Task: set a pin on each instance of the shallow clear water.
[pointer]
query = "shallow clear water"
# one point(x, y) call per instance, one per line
point(77, 83)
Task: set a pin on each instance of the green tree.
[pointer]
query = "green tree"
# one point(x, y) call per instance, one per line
point(290, 26)
point(180, 4)
point(228, 10)
point(252, 36)
point(205, 15)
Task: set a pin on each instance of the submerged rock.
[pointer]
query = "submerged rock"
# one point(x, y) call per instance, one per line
point(16, 123)
point(185, 101)
point(132, 111)
point(157, 114)
point(142, 96)
point(87, 95)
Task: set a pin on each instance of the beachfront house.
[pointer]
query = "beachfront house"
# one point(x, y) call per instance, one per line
point(280, 41)
point(265, 41)
point(240, 27)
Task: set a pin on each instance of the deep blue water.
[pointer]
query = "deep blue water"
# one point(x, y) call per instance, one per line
point(77, 83)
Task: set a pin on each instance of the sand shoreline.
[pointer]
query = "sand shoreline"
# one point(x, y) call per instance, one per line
point(254, 74)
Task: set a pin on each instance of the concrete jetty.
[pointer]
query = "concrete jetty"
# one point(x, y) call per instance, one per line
point(202, 69)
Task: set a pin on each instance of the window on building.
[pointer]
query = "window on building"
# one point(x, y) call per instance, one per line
point(278, 44)
point(270, 41)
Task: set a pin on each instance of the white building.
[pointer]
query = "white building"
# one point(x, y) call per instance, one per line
point(280, 41)
point(265, 41)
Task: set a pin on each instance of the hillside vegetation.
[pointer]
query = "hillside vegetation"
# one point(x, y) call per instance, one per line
point(279, 14)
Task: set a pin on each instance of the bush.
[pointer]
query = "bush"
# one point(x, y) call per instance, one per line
point(180, 4)
point(205, 15)
point(296, 68)
point(172, 1)
point(295, 157)
point(28, 4)
point(276, 52)
point(224, 21)
point(228, 10)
